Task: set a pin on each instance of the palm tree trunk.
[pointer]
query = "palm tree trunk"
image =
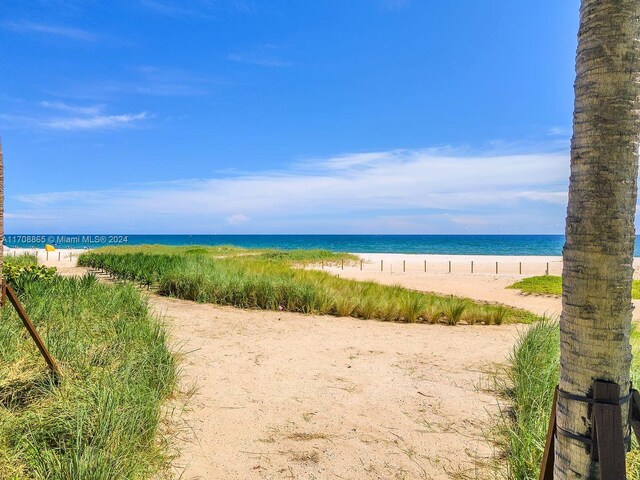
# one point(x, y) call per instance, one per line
point(598, 253)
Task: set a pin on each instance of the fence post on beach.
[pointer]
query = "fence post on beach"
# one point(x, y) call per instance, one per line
point(382, 265)
point(47, 253)
point(59, 255)
point(496, 268)
point(425, 266)
point(323, 263)
point(520, 269)
point(449, 266)
point(343, 264)
point(360, 265)
point(471, 266)
point(547, 268)
point(71, 257)
point(403, 266)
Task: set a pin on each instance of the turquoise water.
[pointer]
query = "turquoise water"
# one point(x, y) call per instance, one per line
point(434, 244)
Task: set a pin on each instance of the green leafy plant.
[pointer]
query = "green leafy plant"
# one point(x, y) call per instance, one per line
point(18, 276)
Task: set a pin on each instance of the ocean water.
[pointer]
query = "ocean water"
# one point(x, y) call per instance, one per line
point(433, 244)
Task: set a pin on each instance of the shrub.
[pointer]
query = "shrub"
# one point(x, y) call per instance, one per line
point(18, 275)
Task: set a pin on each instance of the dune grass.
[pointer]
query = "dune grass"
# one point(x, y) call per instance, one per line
point(532, 378)
point(273, 280)
point(218, 250)
point(552, 285)
point(99, 421)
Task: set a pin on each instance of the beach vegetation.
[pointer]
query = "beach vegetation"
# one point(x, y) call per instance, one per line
point(412, 307)
point(453, 308)
point(273, 280)
point(552, 285)
point(528, 387)
point(19, 276)
point(23, 260)
point(99, 419)
point(433, 313)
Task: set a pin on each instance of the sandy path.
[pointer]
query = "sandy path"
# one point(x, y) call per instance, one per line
point(293, 396)
point(281, 395)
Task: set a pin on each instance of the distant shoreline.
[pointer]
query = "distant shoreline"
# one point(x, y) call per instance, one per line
point(510, 245)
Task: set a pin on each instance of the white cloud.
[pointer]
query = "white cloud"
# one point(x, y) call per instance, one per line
point(78, 109)
point(560, 131)
point(31, 27)
point(94, 122)
point(357, 192)
point(237, 219)
point(257, 60)
point(70, 117)
point(197, 8)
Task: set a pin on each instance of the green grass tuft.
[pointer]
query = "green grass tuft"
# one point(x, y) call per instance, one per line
point(100, 420)
point(541, 285)
point(552, 285)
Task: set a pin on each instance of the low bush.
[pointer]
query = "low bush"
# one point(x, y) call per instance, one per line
point(18, 276)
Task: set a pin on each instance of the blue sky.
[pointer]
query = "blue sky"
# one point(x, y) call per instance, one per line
point(286, 116)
